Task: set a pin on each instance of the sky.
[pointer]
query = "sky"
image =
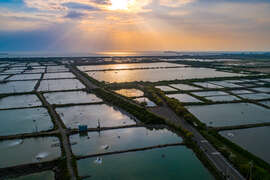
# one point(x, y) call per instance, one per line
point(85, 26)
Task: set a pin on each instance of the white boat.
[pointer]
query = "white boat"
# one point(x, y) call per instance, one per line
point(15, 143)
point(105, 147)
point(98, 160)
point(42, 155)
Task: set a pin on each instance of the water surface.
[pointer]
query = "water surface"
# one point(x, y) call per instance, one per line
point(58, 75)
point(71, 97)
point(121, 139)
point(208, 85)
point(158, 164)
point(166, 88)
point(222, 98)
point(262, 89)
point(25, 77)
point(154, 75)
point(210, 93)
point(52, 69)
point(130, 92)
point(61, 84)
point(17, 152)
point(19, 101)
point(185, 98)
point(225, 84)
point(128, 66)
point(241, 92)
point(184, 87)
point(254, 140)
point(90, 115)
point(230, 114)
point(17, 86)
point(257, 96)
point(21, 121)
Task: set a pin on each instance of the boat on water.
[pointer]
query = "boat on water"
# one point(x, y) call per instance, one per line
point(98, 160)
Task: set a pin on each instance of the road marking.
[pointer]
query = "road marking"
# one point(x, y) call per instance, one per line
point(204, 141)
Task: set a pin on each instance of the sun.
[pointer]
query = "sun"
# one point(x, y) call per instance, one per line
point(120, 4)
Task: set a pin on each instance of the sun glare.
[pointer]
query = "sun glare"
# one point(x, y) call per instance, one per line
point(120, 4)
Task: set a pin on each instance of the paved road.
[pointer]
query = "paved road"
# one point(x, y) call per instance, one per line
point(215, 157)
point(65, 139)
point(84, 80)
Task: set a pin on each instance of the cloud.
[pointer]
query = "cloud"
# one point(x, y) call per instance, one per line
point(104, 2)
point(75, 5)
point(75, 15)
point(147, 24)
point(175, 3)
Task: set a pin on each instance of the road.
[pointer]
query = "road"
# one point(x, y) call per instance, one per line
point(65, 140)
point(212, 154)
point(89, 85)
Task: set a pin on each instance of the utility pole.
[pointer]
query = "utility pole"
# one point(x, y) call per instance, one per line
point(250, 170)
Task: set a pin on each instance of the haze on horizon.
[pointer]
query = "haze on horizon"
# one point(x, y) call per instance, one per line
point(135, 25)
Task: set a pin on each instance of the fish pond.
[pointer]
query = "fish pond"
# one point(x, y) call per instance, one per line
point(241, 92)
point(17, 87)
point(254, 140)
point(166, 88)
point(61, 84)
point(159, 164)
point(71, 97)
point(222, 98)
point(58, 75)
point(25, 77)
point(129, 66)
point(184, 87)
point(262, 89)
point(155, 75)
point(210, 93)
point(130, 92)
point(225, 84)
point(257, 96)
point(208, 85)
point(21, 121)
point(230, 114)
point(16, 152)
point(121, 139)
point(91, 115)
point(19, 101)
point(185, 98)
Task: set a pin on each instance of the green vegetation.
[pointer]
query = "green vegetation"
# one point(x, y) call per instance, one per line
point(239, 157)
point(181, 111)
point(139, 112)
point(152, 94)
point(64, 170)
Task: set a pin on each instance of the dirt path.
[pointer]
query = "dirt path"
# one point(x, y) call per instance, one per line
point(65, 140)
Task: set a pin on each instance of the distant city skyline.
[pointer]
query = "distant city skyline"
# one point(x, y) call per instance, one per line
point(93, 26)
